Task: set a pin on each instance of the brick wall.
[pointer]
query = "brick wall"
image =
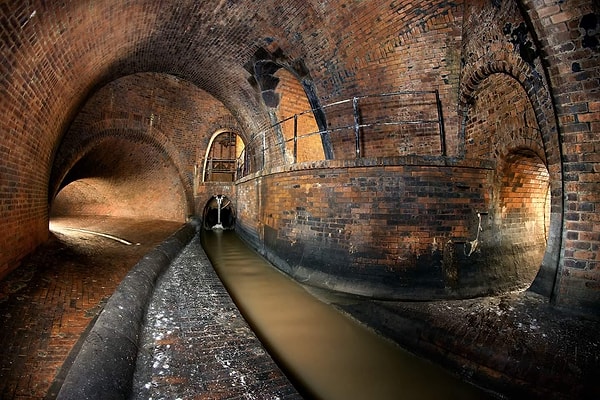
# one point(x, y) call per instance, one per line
point(571, 48)
point(401, 230)
point(56, 55)
point(508, 42)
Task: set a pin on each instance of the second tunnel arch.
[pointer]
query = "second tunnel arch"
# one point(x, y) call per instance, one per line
point(226, 148)
point(527, 138)
point(122, 159)
point(219, 213)
point(161, 109)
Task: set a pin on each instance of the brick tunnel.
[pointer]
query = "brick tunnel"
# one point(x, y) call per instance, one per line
point(418, 154)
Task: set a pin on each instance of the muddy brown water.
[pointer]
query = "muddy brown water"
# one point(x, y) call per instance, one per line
point(325, 353)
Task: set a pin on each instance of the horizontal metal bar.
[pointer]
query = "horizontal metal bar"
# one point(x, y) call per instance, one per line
point(359, 98)
point(397, 104)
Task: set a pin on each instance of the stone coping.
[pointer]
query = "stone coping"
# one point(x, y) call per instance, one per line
point(411, 160)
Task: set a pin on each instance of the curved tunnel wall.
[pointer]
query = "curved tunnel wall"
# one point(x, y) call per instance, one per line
point(394, 231)
point(58, 55)
point(123, 178)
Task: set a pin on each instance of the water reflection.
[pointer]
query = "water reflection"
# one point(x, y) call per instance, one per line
point(328, 355)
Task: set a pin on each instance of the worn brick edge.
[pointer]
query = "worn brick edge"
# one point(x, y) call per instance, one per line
point(104, 367)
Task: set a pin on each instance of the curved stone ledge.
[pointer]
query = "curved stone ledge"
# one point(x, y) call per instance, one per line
point(104, 367)
point(408, 160)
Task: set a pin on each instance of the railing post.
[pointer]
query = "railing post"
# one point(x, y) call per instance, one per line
point(264, 149)
point(441, 123)
point(295, 138)
point(356, 126)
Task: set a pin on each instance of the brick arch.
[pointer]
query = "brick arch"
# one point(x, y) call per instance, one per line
point(523, 213)
point(548, 150)
point(222, 125)
point(209, 148)
point(482, 109)
point(506, 63)
point(511, 155)
point(519, 146)
point(571, 75)
point(293, 100)
point(113, 180)
point(534, 86)
point(228, 123)
point(122, 129)
point(210, 213)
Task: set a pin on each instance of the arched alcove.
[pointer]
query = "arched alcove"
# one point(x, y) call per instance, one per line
point(501, 125)
point(523, 210)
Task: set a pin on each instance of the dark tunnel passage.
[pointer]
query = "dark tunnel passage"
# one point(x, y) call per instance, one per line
point(218, 213)
point(122, 177)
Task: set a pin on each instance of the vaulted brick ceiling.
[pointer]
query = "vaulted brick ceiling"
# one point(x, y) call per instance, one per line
point(98, 45)
point(148, 81)
point(209, 51)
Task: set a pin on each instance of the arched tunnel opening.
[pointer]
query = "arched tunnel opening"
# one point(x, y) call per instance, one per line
point(123, 178)
point(524, 211)
point(428, 230)
point(218, 213)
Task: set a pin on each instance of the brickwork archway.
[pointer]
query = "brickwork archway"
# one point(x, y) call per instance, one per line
point(572, 67)
point(293, 100)
point(536, 132)
point(234, 149)
point(108, 177)
point(219, 212)
point(132, 133)
point(524, 208)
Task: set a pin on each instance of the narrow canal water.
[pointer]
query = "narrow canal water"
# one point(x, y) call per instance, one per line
point(326, 354)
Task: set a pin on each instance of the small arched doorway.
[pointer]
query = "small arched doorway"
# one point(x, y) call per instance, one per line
point(218, 214)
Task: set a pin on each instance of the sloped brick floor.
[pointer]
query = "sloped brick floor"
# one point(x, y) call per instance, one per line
point(47, 303)
point(515, 344)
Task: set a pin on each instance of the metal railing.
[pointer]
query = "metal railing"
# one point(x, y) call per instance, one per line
point(421, 110)
point(220, 166)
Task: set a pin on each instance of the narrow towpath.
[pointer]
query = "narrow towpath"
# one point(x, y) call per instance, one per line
point(196, 344)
